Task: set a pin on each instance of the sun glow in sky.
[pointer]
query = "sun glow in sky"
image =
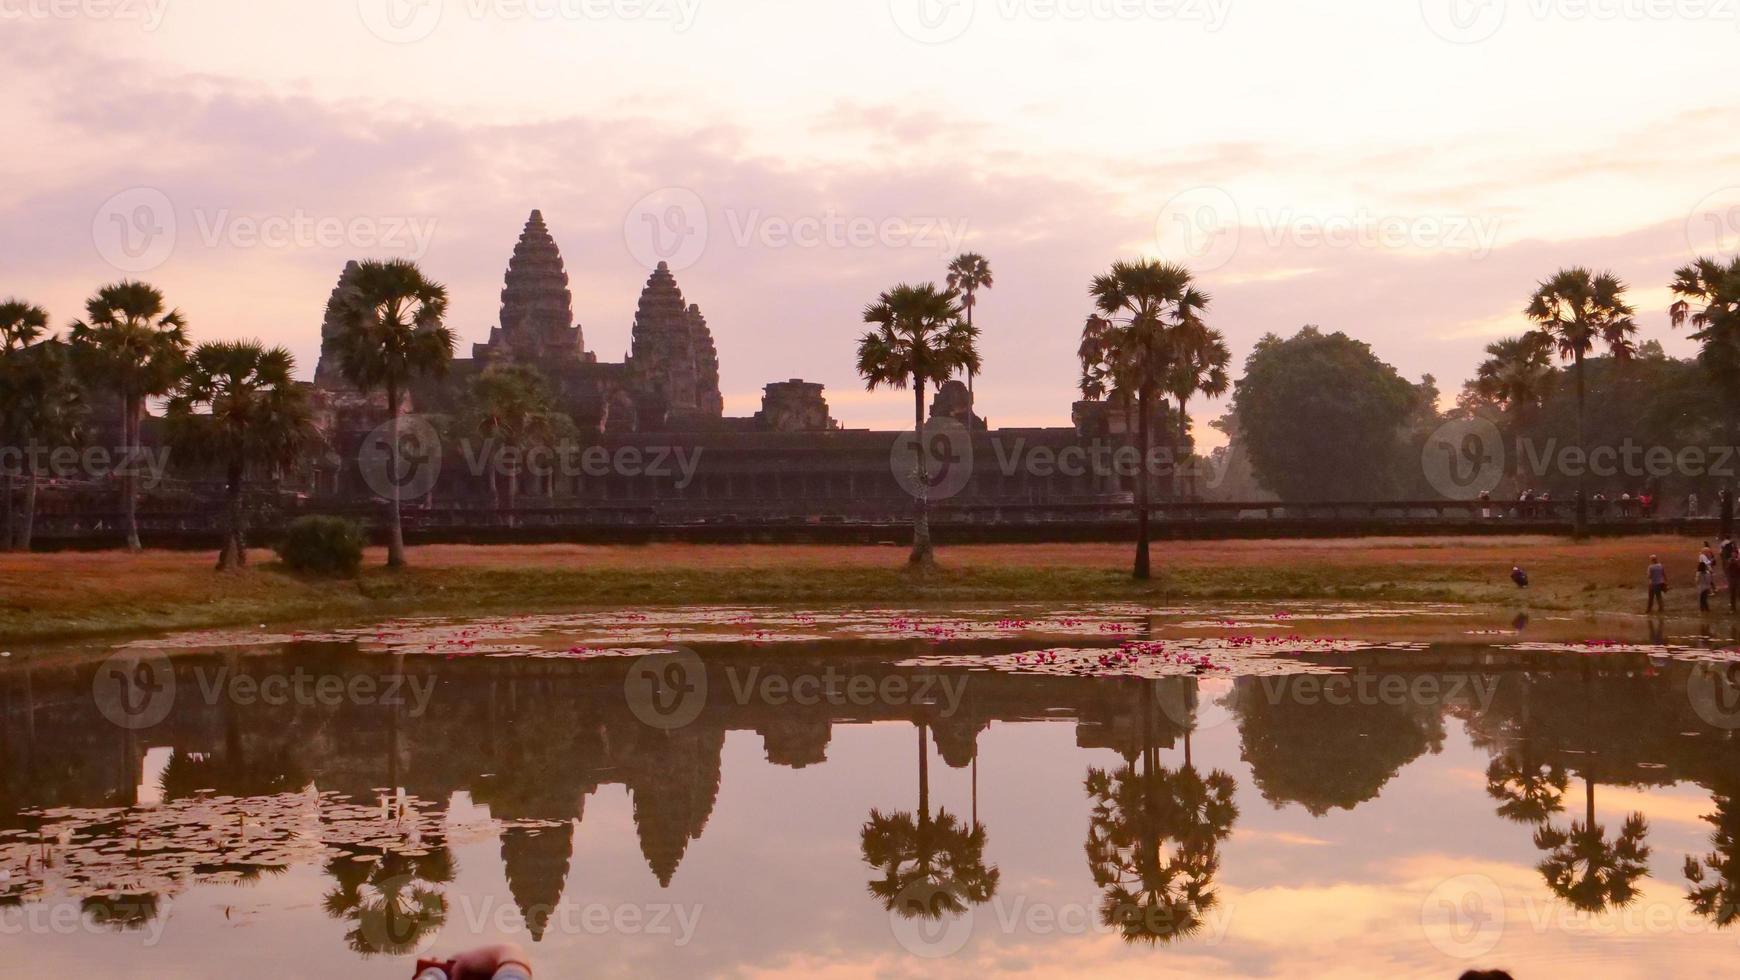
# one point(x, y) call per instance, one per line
point(1402, 170)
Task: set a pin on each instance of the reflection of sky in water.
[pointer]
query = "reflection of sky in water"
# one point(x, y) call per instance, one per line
point(779, 884)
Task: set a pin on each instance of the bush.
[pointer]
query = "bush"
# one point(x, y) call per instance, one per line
point(322, 546)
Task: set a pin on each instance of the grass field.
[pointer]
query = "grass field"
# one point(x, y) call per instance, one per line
point(48, 596)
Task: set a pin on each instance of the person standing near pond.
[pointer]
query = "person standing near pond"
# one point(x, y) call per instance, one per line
point(1706, 579)
point(1657, 586)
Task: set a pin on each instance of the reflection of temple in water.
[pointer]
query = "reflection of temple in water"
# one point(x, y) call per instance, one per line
point(532, 740)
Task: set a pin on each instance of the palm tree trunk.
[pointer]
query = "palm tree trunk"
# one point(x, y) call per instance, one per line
point(923, 771)
point(1581, 523)
point(230, 557)
point(970, 408)
point(396, 527)
point(130, 435)
point(1181, 458)
point(923, 554)
point(27, 520)
point(1142, 571)
point(1589, 792)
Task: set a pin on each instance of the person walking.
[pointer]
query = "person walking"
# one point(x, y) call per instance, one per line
point(1517, 575)
point(1706, 584)
point(1657, 586)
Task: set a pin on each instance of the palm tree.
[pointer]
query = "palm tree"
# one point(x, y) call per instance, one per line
point(931, 865)
point(1716, 289)
point(20, 326)
point(1578, 310)
point(238, 407)
point(1129, 345)
point(1517, 376)
point(41, 405)
point(1584, 868)
point(1718, 899)
point(1526, 791)
point(129, 345)
point(1153, 845)
point(391, 332)
point(1200, 369)
point(511, 407)
point(394, 900)
point(920, 339)
point(969, 273)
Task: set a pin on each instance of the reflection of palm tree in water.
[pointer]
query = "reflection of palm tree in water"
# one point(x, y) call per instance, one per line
point(1527, 791)
point(931, 867)
point(1718, 898)
point(393, 901)
point(1153, 845)
point(122, 913)
point(1586, 869)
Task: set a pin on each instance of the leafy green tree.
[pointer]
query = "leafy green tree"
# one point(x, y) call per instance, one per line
point(130, 345)
point(1130, 344)
point(1516, 377)
point(1323, 419)
point(1709, 299)
point(511, 407)
point(391, 332)
point(1200, 369)
point(969, 273)
point(1577, 310)
point(41, 406)
point(238, 407)
point(919, 339)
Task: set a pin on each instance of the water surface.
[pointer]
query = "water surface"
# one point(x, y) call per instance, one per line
point(1111, 791)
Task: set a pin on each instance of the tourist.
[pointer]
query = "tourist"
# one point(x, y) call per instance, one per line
point(1706, 577)
point(1520, 577)
point(1657, 586)
point(1600, 504)
point(1625, 504)
point(507, 962)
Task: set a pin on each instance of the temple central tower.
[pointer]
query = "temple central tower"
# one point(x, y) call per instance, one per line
point(537, 309)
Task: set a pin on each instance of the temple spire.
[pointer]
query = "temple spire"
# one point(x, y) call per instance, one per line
point(537, 309)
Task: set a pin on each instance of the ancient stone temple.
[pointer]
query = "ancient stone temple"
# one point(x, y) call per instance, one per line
point(537, 310)
point(673, 365)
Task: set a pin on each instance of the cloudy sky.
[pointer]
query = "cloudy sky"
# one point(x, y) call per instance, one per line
point(1402, 170)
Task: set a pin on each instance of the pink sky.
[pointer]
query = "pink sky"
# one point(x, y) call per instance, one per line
point(1402, 170)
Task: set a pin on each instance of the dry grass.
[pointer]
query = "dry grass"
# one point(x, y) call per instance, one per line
point(72, 594)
